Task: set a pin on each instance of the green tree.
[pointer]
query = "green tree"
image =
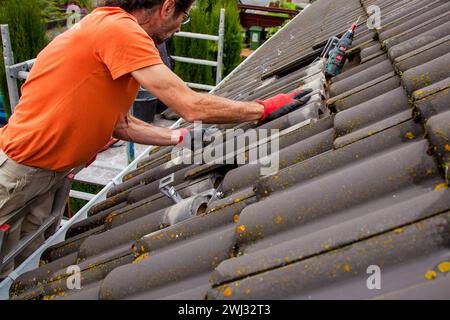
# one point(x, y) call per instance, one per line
point(205, 19)
point(27, 33)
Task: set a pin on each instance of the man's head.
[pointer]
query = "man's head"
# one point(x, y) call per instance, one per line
point(161, 19)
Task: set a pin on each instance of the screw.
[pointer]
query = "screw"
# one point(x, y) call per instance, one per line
point(220, 195)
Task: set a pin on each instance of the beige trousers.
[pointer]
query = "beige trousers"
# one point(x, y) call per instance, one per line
point(19, 184)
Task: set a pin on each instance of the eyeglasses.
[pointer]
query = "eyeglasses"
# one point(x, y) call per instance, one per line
point(186, 18)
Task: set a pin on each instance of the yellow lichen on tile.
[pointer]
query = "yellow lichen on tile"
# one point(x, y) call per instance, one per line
point(228, 292)
point(399, 230)
point(236, 218)
point(409, 136)
point(444, 267)
point(141, 257)
point(241, 229)
point(347, 268)
point(278, 219)
point(430, 275)
point(441, 186)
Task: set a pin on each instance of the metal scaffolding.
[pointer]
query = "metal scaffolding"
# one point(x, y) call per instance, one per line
point(13, 71)
point(218, 64)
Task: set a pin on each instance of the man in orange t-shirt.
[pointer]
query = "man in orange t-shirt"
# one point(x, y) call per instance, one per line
point(78, 94)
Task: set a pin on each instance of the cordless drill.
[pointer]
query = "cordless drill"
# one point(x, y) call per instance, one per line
point(338, 56)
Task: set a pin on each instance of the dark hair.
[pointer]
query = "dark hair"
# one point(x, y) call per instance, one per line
point(133, 5)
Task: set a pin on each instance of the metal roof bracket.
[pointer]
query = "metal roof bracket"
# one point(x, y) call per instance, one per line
point(166, 188)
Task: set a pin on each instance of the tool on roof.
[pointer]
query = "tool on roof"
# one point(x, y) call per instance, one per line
point(336, 51)
point(166, 188)
point(331, 44)
point(194, 138)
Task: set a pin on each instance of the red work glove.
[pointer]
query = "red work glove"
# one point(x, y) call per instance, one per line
point(183, 132)
point(282, 104)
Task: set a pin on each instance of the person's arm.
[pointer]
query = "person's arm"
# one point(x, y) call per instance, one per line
point(193, 106)
point(129, 128)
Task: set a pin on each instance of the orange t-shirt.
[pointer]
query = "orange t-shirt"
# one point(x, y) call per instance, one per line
point(76, 91)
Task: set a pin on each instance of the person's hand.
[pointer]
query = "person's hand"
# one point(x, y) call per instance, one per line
point(194, 139)
point(282, 104)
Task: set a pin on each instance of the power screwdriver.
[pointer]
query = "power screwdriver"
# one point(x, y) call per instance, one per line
point(338, 56)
